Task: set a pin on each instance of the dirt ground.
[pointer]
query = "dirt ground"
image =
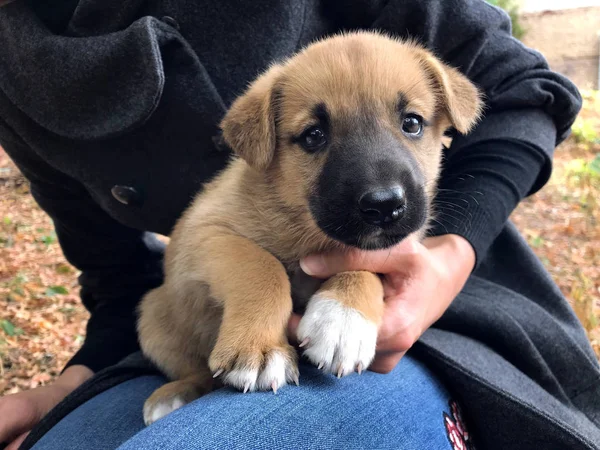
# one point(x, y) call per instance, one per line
point(42, 322)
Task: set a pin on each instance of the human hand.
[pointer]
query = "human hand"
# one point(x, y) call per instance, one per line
point(420, 281)
point(20, 412)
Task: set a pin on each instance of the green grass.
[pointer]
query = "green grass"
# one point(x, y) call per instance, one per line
point(584, 132)
point(10, 329)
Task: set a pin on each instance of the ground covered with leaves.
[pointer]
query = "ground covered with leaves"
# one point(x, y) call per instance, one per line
point(42, 322)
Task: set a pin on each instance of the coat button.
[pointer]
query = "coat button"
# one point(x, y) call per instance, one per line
point(126, 195)
point(171, 22)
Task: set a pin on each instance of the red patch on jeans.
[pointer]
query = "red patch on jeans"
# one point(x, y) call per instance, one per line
point(456, 430)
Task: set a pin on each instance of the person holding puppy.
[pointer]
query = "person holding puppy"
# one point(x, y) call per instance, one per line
point(111, 110)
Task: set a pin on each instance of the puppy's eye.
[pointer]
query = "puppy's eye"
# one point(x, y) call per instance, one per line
point(412, 124)
point(313, 139)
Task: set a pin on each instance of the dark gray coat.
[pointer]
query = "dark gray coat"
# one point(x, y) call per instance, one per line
point(109, 107)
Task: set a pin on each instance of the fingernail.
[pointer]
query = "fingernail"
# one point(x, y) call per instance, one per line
point(313, 265)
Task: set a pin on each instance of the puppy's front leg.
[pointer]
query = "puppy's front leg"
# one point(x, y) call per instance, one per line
point(251, 351)
point(339, 327)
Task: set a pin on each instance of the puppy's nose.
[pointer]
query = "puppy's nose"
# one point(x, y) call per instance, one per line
point(383, 206)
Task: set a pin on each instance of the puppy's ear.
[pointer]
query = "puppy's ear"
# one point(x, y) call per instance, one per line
point(249, 125)
point(461, 98)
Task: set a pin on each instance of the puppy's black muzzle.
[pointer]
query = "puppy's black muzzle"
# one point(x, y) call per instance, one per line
point(370, 193)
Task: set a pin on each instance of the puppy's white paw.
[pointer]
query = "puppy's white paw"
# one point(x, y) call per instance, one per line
point(154, 411)
point(263, 372)
point(337, 339)
point(272, 376)
point(276, 372)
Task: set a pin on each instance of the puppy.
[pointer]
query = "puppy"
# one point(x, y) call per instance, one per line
point(338, 147)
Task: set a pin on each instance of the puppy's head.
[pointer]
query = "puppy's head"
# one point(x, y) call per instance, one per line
point(351, 130)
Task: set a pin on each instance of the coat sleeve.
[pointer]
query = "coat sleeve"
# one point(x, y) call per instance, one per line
point(118, 264)
point(529, 108)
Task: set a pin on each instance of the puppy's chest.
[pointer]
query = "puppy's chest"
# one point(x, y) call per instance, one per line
point(303, 286)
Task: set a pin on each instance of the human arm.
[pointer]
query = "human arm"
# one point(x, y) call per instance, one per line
point(419, 285)
point(22, 411)
point(118, 264)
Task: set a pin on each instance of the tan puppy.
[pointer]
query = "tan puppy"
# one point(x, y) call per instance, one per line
point(338, 146)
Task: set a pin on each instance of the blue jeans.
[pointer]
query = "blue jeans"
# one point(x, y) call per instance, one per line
point(406, 409)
